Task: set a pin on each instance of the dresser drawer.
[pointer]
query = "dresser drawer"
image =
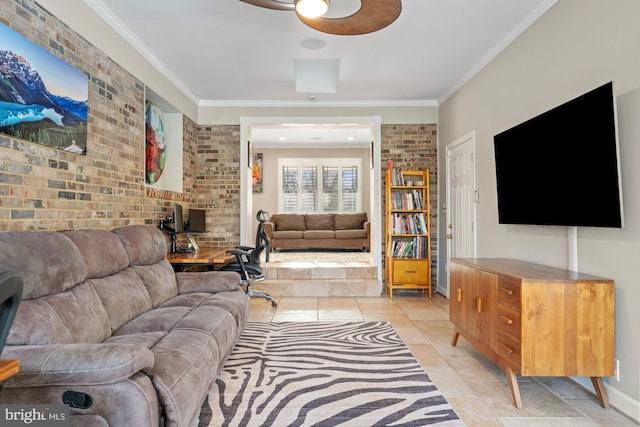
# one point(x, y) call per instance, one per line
point(508, 348)
point(509, 321)
point(410, 271)
point(508, 292)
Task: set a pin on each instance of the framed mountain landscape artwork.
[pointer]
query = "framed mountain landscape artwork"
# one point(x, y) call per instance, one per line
point(42, 98)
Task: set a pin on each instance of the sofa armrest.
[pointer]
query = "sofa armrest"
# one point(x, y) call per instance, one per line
point(367, 229)
point(76, 364)
point(269, 228)
point(207, 281)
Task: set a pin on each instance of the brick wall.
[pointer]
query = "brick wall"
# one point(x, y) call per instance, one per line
point(218, 183)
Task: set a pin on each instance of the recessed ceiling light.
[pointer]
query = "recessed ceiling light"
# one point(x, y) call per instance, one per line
point(351, 138)
point(282, 138)
point(313, 44)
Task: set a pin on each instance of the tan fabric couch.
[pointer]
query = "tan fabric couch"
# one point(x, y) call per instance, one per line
point(319, 231)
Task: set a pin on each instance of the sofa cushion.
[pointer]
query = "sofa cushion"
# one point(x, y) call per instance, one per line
point(319, 234)
point(123, 295)
point(145, 245)
point(350, 221)
point(319, 221)
point(160, 319)
point(73, 316)
point(289, 222)
point(93, 245)
point(288, 234)
point(351, 234)
point(159, 279)
point(47, 261)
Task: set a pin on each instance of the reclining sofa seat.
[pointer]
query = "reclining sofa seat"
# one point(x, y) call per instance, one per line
point(103, 313)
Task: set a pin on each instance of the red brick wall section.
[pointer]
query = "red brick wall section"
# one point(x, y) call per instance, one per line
point(218, 183)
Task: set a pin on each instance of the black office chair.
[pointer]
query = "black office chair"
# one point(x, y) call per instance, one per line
point(10, 296)
point(248, 262)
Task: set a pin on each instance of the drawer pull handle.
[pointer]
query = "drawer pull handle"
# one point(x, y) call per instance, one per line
point(459, 294)
point(510, 292)
point(509, 350)
point(411, 271)
point(507, 320)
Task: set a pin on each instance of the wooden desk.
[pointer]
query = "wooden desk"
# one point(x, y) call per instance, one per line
point(211, 257)
point(8, 368)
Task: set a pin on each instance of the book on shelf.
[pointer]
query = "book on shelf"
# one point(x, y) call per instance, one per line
point(397, 178)
point(408, 223)
point(411, 200)
point(415, 248)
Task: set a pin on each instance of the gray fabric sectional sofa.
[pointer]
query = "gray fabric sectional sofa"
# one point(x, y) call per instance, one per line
point(104, 314)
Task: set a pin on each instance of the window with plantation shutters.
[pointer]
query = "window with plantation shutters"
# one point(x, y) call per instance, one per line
point(319, 185)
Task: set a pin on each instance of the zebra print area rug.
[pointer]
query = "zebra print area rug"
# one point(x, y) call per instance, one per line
point(324, 374)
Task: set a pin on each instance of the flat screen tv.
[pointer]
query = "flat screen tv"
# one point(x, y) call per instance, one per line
point(197, 221)
point(562, 167)
point(178, 219)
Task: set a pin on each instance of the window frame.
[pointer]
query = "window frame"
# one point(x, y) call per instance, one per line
point(319, 164)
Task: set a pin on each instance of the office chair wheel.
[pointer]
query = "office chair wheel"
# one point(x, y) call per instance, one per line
point(274, 304)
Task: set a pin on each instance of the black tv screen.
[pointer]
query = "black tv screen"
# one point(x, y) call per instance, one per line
point(561, 167)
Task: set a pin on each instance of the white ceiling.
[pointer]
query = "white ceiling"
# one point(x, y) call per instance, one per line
point(230, 53)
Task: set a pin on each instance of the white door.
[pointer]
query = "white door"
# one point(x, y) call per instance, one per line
point(461, 199)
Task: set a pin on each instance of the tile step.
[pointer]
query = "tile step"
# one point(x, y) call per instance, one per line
point(320, 287)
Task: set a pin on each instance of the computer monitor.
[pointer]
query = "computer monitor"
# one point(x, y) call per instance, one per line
point(197, 221)
point(178, 219)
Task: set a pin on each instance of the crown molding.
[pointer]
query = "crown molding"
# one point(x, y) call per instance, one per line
point(318, 103)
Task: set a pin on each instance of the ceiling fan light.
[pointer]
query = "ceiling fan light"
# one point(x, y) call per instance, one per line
point(312, 8)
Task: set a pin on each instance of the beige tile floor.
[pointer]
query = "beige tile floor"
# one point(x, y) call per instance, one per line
point(477, 389)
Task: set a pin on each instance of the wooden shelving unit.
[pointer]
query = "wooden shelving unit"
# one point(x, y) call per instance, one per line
point(408, 231)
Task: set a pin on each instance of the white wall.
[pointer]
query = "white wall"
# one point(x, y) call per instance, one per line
point(268, 199)
point(575, 47)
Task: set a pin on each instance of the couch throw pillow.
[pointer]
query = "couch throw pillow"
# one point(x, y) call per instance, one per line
point(319, 221)
point(289, 222)
point(350, 221)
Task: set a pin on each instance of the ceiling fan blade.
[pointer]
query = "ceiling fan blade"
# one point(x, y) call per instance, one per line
point(374, 15)
point(271, 4)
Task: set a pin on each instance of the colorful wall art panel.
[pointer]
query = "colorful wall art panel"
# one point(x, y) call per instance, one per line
point(42, 98)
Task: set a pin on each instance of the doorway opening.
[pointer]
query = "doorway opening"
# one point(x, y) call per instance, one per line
point(273, 137)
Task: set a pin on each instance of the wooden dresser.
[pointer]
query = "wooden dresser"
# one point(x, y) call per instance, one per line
point(534, 320)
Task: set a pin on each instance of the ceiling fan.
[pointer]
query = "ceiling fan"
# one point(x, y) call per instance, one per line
point(372, 15)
